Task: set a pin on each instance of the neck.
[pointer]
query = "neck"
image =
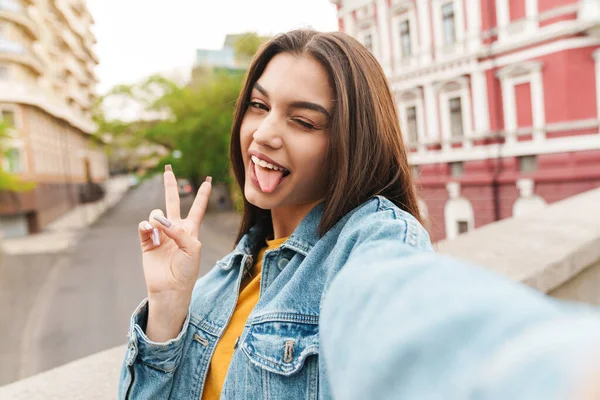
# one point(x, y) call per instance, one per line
point(287, 218)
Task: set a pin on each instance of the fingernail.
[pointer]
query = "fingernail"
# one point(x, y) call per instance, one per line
point(155, 237)
point(165, 222)
point(168, 168)
point(209, 179)
point(146, 225)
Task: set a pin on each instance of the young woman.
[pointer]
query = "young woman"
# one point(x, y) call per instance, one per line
point(317, 150)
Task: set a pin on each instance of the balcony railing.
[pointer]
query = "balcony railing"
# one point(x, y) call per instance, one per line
point(77, 70)
point(20, 53)
point(73, 20)
point(9, 46)
point(517, 27)
point(14, 11)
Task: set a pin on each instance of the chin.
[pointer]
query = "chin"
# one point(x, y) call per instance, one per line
point(258, 199)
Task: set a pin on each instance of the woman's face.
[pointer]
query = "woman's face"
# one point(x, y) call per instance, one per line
point(284, 133)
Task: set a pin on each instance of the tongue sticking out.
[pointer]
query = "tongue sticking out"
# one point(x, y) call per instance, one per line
point(268, 179)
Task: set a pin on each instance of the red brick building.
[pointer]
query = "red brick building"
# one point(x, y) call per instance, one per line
point(499, 100)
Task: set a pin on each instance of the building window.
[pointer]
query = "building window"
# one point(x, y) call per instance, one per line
point(528, 164)
point(411, 124)
point(10, 5)
point(456, 121)
point(462, 226)
point(8, 118)
point(12, 161)
point(405, 38)
point(457, 169)
point(448, 23)
point(369, 42)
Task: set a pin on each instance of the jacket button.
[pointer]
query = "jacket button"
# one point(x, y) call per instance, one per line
point(282, 263)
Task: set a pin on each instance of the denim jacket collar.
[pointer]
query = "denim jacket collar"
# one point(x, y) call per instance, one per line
point(301, 241)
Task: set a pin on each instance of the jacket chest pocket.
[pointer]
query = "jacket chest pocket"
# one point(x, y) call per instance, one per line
point(281, 360)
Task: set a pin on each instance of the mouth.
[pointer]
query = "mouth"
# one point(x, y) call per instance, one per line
point(267, 165)
point(266, 175)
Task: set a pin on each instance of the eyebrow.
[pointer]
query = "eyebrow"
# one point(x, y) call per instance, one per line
point(295, 104)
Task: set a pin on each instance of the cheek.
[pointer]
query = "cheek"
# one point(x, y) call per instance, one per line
point(246, 132)
point(244, 129)
point(314, 157)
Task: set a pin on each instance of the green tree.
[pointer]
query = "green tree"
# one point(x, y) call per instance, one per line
point(9, 181)
point(247, 44)
point(192, 122)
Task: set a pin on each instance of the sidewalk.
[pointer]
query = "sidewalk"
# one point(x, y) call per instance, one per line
point(64, 232)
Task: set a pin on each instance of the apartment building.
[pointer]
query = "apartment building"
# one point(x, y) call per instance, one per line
point(47, 89)
point(499, 100)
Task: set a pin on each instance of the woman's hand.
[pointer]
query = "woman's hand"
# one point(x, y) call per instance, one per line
point(171, 259)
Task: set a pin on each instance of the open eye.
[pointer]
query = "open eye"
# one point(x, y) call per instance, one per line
point(257, 105)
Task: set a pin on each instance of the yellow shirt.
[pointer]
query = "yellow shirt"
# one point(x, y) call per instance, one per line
point(249, 294)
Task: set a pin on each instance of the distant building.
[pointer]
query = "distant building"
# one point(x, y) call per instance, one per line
point(47, 89)
point(223, 60)
point(499, 100)
point(216, 58)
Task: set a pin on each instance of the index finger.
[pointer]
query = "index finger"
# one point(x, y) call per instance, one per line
point(196, 214)
point(171, 194)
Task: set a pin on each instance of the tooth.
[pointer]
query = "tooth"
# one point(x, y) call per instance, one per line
point(263, 163)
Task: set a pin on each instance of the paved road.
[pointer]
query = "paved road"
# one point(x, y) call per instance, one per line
point(61, 307)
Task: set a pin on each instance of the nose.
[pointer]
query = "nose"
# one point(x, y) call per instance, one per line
point(268, 132)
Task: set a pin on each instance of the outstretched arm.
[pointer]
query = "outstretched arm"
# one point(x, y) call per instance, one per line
point(401, 323)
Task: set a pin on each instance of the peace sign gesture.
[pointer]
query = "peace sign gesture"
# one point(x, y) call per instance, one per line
point(171, 248)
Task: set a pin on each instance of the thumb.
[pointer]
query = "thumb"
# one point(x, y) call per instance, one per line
point(177, 232)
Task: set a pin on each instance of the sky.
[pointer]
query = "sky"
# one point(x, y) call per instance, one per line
point(138, 38)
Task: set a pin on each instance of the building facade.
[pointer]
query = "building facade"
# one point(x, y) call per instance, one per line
point(47, 89)
point(499, 100)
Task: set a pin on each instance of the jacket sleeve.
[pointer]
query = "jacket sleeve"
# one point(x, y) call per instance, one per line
point(149, 367)
point(402, 323)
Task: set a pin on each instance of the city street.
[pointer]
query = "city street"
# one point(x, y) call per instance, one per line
point(58, 307)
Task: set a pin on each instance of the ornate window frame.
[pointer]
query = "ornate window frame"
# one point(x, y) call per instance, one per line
point(446, 51)
point(407, 99)
point(404, 11)
point(457, 208)
point(446, 92)
point(516, 74)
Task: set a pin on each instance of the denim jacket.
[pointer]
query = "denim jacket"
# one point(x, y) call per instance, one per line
point(277, 355)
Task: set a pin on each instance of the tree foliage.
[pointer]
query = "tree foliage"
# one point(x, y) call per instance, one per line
point(247, 44)
point(193, 122)
point(9, 181)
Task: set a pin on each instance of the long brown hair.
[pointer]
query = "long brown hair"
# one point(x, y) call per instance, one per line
point(366, 151)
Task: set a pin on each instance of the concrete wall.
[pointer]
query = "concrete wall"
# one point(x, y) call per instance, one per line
point(584, 287)
point(545, 249)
